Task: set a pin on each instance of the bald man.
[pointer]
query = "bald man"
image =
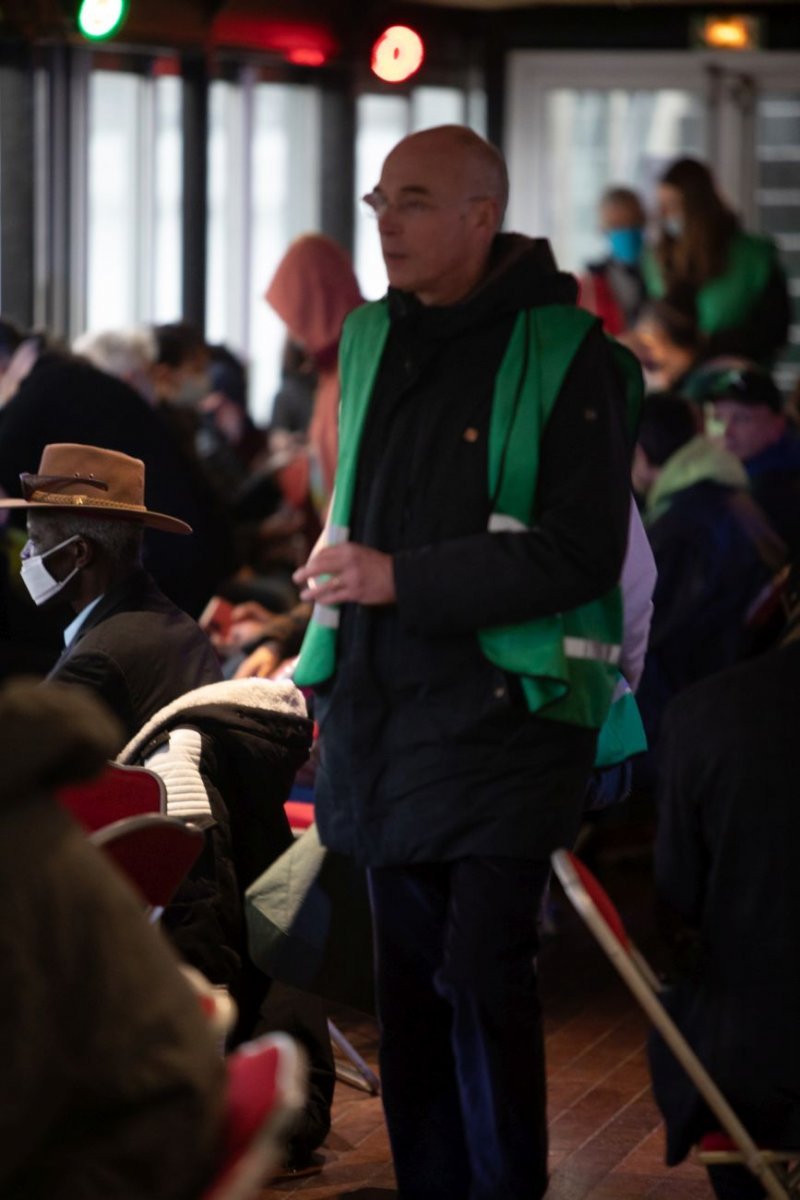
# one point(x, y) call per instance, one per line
point(460, 647)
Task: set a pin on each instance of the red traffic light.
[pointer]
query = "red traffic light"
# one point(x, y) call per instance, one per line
point(397, 54)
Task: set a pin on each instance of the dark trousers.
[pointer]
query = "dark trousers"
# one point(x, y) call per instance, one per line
point(735, 1183)
point(462, 1054)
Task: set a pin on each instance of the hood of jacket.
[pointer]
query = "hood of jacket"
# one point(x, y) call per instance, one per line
point(313, 290)
point(246, 704)
point(699, 461)
point(521, 274)
point(259, 722)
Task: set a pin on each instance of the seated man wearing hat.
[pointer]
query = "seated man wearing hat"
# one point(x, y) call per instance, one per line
point(132, 647)
point(127, 643)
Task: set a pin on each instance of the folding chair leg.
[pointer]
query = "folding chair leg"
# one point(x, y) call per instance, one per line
point(358, 1075)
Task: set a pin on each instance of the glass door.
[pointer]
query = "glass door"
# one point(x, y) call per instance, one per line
point(580, 122)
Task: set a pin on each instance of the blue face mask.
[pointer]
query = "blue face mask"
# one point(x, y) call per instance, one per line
point(626, 245)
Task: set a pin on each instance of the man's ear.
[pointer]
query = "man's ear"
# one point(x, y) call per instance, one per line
point(85, 552)
point(487, 215)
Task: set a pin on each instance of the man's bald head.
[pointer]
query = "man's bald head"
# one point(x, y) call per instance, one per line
point(439, 202)
point(479, 166)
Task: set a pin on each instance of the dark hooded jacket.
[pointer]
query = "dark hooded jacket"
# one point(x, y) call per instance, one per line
point(228, 754)
point(428, 751)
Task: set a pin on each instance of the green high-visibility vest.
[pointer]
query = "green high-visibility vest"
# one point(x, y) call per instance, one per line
point(727, 300)
point(567, 663)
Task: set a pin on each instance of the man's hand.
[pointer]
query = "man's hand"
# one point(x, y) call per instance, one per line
point(349, 572)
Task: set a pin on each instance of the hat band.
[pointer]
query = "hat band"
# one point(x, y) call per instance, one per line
point(78, 501)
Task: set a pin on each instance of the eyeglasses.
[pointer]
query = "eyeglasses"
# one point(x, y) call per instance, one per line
point(376, 205)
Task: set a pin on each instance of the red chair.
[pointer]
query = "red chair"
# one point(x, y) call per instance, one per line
point(116, 793)
point(266, 1092)
point(154, 852)
point(776, 1170)
point(300, 815)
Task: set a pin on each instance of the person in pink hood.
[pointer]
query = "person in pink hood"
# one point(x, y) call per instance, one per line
point(312, 291)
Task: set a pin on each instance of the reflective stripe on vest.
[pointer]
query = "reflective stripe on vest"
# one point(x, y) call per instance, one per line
point(505, 523)
point(605, 652)
point(327, 615)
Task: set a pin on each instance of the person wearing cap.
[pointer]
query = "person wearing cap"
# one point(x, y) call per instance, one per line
point(756, 429)
point(126, 642)
point(714, 549)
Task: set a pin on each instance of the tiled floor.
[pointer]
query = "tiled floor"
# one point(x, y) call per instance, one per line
point(605, 1136)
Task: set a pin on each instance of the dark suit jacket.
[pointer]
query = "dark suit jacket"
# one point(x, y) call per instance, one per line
point(138, 652)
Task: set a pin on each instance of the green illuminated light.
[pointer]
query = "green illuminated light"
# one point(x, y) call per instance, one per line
point(100, 18)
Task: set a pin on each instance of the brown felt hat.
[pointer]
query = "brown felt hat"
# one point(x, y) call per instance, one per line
point(87, 479)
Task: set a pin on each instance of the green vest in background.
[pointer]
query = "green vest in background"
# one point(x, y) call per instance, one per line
point(567, 664)
point(726, 301)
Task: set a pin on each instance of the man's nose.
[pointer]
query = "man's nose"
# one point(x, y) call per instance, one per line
point(388, 221)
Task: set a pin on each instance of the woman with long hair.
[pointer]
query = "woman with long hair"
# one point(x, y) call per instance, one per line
point(739, 286)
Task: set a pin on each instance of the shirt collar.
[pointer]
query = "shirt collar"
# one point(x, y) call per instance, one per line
point(71, 632)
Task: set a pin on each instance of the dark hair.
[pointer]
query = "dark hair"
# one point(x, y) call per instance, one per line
point(668, 422)
point(11, 337)
point(228, 375)
point(701, 251)
point(676, 314)
point(177, 342)
point(625, 195)
point(120, 540)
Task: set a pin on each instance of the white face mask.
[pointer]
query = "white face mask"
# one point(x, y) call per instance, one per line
point(37, 579)
point(192, 389)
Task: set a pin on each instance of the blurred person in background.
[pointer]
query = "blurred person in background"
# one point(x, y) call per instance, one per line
point(128, 354)
point(726, 879)
point(312, 291)
point(11, 337)
point(751, 411)
point(112, 1082)
point(740, 288)
point(226, 408)
point(668, 342)
point(613, 289)
point(294, 401)
point(714, 549)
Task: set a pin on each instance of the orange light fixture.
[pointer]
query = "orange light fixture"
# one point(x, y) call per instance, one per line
point(729, 33)
point(397, 54)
